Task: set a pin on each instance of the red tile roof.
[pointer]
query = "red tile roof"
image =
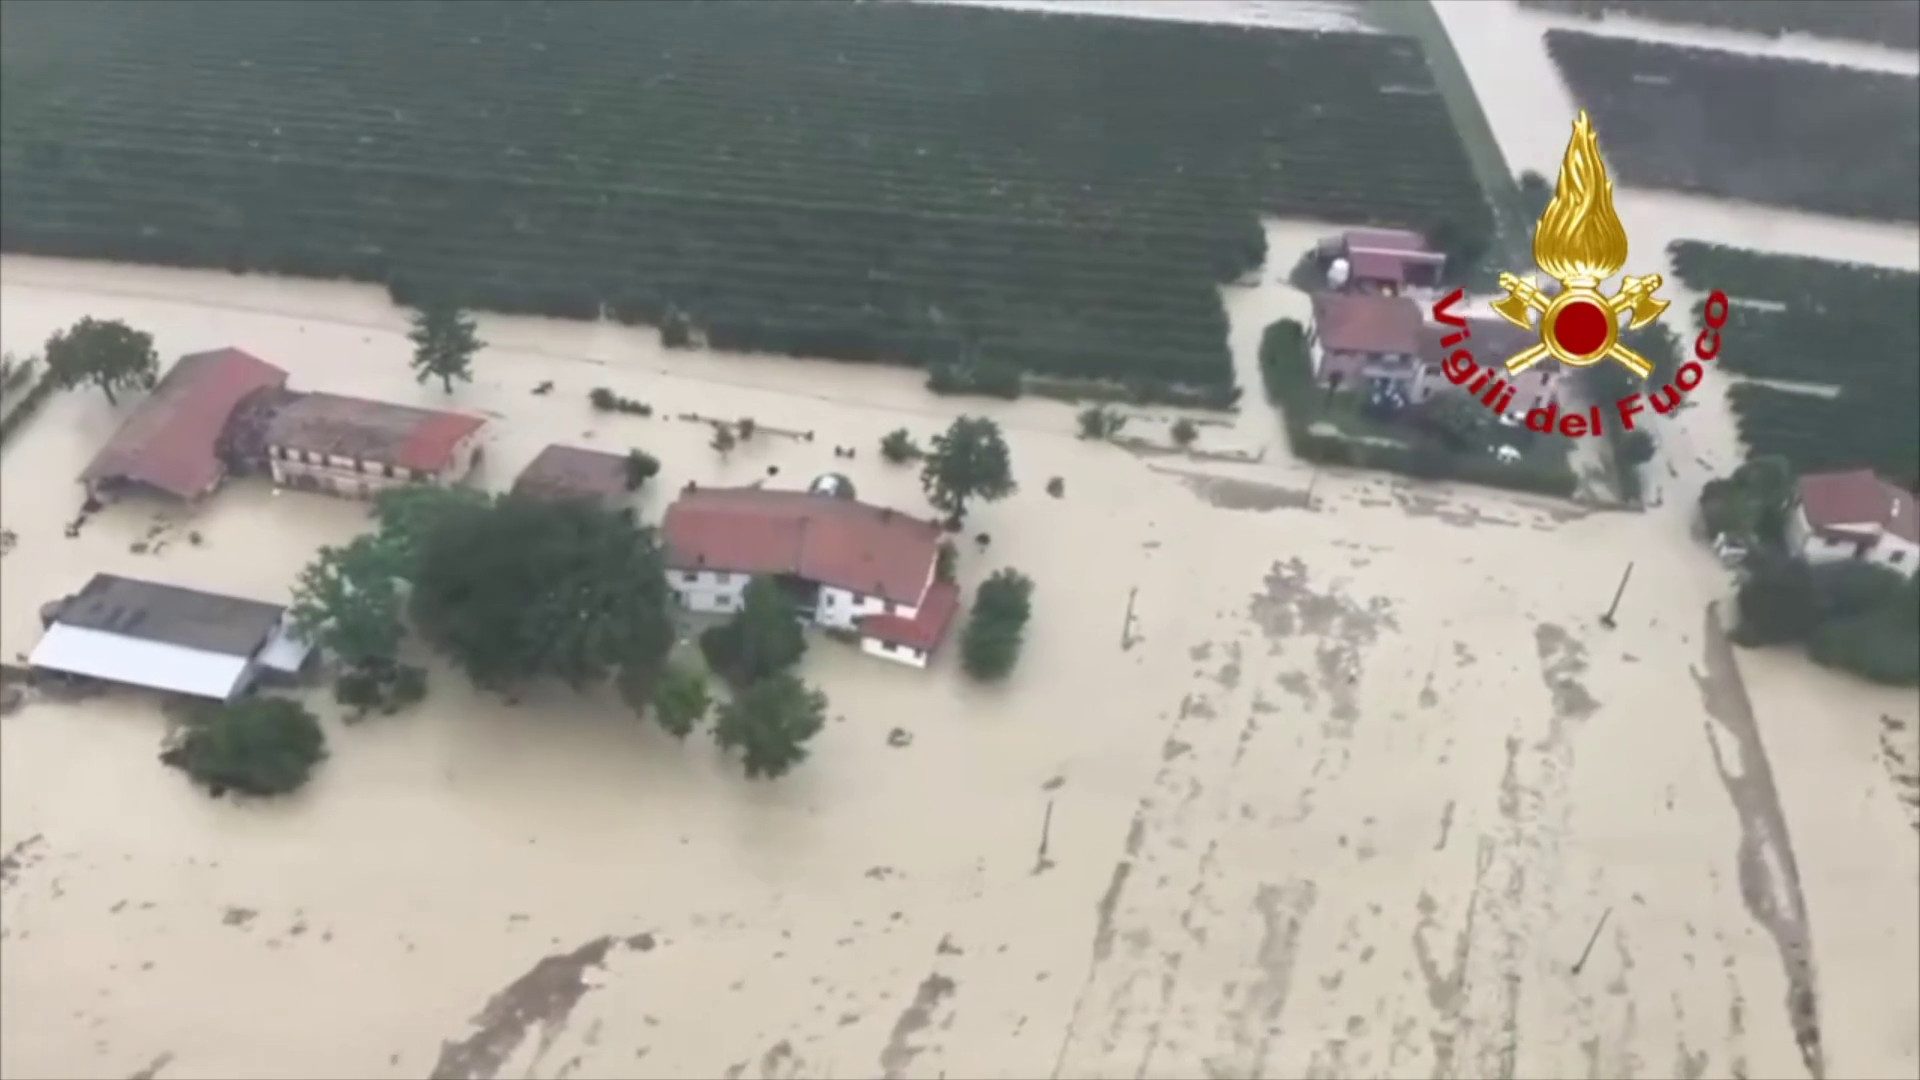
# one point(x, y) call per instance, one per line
point(374, 431)
point(926, 629)
point(171, 440)
point(1354, 322)
point(840, 542)
point(1391, 239)
point(1835, 500)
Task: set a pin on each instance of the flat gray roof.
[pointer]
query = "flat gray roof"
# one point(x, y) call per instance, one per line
point(170, 614)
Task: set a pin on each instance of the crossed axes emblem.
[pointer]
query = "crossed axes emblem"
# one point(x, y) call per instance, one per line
point(1635, 296)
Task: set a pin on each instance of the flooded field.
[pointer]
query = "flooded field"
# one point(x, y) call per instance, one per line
point(1364, 789)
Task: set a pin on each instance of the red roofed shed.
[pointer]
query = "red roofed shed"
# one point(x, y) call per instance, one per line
point(171, 441)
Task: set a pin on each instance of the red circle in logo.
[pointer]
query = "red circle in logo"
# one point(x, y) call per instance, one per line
point(1581, 328)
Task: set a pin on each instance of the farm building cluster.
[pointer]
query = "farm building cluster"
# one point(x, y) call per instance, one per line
point(1372, 329)
point(850, 566)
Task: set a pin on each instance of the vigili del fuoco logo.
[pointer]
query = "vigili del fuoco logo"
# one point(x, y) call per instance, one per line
point(1579, 243)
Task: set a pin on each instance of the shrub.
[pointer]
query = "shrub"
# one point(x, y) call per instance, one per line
point(1184, 432)
point(945, 561)
point(987, 378)
point(1100, 422)
point(386, 688)
point(991, 643)
point(605, 400)
point(746, 427)
point(898, 447)
point(641, 467)
point(1056, 487)
point(256, 746)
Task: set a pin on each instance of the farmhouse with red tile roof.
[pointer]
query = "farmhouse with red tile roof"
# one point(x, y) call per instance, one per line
point(848, 565)
point(356, 447)
point(1855, 515)
point(172, 441)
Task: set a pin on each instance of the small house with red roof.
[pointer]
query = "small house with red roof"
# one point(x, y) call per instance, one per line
point(174, 439)
point(1855, 515)
point(847, 565)
point(1385, 262)
point(357, 448)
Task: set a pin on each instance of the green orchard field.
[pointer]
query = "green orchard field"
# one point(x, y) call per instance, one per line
point(1838, 325)
point(898, 183)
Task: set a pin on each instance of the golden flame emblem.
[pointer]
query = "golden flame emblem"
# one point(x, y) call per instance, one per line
point(1580, 243)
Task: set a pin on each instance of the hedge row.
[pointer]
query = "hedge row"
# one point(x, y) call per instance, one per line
point(1894, 23)
point(23, 410)
point(1287, 370)
point(1835, 140)
point(898, 183)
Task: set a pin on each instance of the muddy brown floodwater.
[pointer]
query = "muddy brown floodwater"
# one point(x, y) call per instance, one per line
point(1340, 786)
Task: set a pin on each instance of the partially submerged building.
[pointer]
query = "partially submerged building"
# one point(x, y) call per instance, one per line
point(1389, 346)
point(1382, 262)
point(848, 565)
point(174, 441)
point(358, 448)
point(164, 637)
point(569, 472)
point(1854, 515)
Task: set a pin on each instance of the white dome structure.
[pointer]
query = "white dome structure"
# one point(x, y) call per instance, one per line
point(833, 485)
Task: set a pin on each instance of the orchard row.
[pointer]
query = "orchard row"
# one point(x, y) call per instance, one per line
point(899, 183)
point(1832, 325)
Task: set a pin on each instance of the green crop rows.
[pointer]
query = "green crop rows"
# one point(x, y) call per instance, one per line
point(1789, 133)
point(899, 183)
point(1830, 324)
point(1894, 23)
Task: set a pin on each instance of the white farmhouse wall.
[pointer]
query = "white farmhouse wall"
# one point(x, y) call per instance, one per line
point(709, 591)
point(1892, 552)
point(842, 608)
point(899, 654)
point(364, 479)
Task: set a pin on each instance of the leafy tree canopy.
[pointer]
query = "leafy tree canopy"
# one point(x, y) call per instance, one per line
point(681, 699)
point(762, 638)
point(970, 460)
point(107, 353)
point(1001, 607)
point(347, 602)
point(444, 341)
point(770, 723)
point(521, 588)
point(406, 514)
point(257, 746)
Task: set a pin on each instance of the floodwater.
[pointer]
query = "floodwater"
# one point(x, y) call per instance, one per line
point(1351, 794)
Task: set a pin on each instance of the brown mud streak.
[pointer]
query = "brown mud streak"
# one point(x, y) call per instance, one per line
point(1764, 844)
point(545, 996)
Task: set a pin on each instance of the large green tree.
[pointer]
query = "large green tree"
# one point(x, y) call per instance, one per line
point(969, 460)
point(770, 724)
point(1001, 607)
point(680, 699)
point(521, 589)
point(762, 638)
point(347, 601)
point(444, 341)
point(107, 353)
point(406, 514)
point(1750, 506)
point(256, 746)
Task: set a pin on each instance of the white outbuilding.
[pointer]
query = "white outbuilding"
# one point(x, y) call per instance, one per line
point(139, 633)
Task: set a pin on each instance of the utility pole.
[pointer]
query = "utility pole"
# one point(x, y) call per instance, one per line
point(1607, 619)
